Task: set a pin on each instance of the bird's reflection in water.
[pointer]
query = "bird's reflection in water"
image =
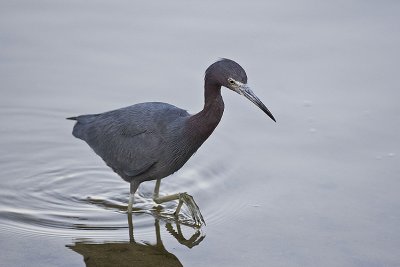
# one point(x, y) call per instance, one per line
point(133, 253)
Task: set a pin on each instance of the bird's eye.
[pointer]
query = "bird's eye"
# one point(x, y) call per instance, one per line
point(231, 81)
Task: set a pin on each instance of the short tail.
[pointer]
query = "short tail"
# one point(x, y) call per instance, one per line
point(72, 118)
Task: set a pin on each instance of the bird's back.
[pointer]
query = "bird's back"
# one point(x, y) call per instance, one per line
point(131, 120)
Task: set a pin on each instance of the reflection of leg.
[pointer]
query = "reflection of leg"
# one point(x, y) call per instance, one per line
point(130, 224)
point(194, 240)
point(134, 187)
point(183, 198)
point(158, 233)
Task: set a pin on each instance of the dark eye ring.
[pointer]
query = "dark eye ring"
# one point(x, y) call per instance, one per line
point(231, 81)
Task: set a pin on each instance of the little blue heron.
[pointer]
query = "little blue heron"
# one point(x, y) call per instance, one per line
point(150, 141)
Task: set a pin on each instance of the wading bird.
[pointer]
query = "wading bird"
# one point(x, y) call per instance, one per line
point(150, 141)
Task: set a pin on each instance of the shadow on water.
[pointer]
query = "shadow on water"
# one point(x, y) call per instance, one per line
point(133, 253)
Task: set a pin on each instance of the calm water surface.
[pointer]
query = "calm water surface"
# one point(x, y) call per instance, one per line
point(317, 188)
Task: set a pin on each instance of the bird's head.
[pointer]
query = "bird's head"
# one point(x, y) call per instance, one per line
point(228, 73)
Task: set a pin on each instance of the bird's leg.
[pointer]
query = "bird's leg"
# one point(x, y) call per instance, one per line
point(183, 198)
point(178, 208)
point(134, 187)
point(130, 203)
point(157, 189)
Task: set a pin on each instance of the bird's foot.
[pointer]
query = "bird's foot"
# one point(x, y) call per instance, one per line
point(192, 207)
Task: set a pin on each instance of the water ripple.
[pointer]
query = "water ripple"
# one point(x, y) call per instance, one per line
point(52, 184)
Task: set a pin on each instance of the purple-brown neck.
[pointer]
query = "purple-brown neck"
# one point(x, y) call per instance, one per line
point(202, 124)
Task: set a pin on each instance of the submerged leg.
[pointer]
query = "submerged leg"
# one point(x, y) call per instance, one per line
point(134, 187)
point(183, 198)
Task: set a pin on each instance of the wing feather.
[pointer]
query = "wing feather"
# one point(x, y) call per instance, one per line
point(129, 140)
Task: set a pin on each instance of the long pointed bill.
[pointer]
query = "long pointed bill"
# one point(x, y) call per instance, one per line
point(246, 91)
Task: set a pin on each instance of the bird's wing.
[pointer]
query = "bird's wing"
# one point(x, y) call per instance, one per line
point(129, 140)
point(131, 154)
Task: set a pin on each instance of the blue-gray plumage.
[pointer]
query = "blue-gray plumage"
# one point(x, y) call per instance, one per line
point(150, 141)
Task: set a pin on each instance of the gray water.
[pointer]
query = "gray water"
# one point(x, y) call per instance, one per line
point(318, 188)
